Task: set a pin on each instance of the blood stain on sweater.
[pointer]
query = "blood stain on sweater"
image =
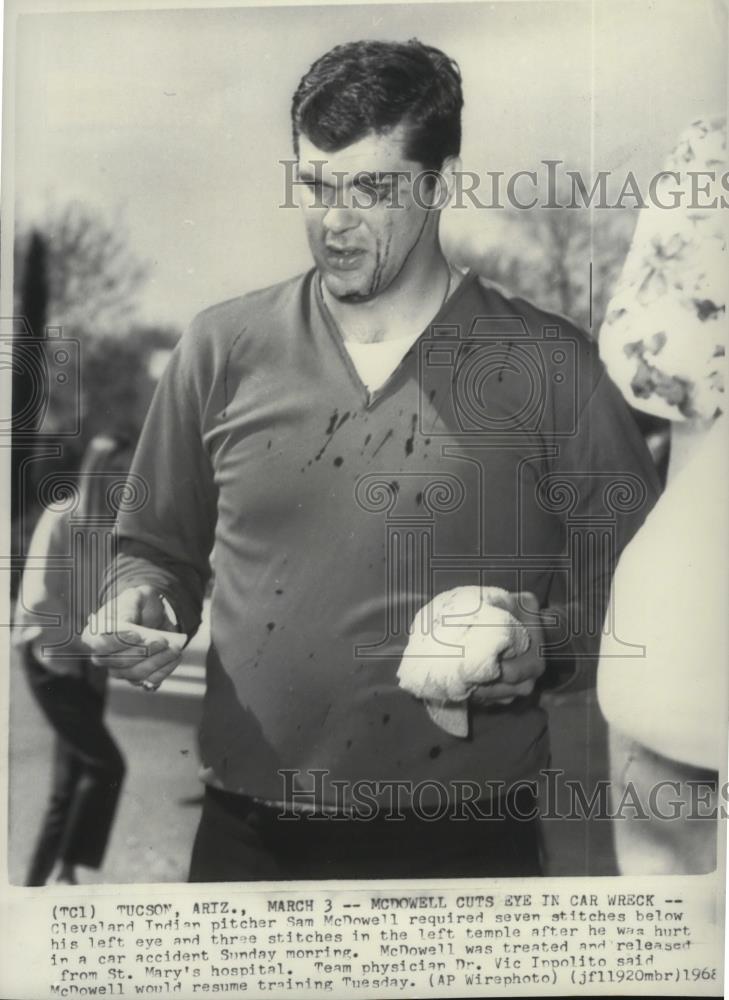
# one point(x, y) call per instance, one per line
point(409, 442)
point(385, 439)
point(335, 422)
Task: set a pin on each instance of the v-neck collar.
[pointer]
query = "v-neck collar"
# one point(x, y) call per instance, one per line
point(369, 399)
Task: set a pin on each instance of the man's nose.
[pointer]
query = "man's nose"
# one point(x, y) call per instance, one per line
point(339, 219)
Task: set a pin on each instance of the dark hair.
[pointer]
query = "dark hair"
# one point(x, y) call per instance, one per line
point(364, 87)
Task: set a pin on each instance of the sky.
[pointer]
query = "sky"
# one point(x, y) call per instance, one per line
point(172, 122)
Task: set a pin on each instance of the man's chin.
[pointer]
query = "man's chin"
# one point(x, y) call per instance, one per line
point(345, 291)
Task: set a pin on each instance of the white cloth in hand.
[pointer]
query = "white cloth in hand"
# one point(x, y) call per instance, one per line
point(457, 641)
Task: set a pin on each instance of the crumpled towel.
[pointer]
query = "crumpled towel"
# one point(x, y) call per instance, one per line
point(475, 622)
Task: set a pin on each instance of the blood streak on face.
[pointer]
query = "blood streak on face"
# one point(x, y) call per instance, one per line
point(362, 219)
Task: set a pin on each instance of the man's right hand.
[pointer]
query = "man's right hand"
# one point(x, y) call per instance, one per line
point(128, 653)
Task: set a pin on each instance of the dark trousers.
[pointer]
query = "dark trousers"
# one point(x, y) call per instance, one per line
point(242, 840)
point(88, 771)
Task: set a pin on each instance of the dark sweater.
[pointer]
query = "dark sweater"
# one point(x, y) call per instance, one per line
point(336, 515)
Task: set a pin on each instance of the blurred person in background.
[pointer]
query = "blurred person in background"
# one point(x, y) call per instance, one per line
point(68, 553)
point(664, 342)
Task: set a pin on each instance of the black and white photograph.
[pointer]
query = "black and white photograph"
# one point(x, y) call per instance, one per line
point(366, 509)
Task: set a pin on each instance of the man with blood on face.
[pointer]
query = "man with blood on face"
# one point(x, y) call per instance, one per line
point(282, 417)
point(366, 226)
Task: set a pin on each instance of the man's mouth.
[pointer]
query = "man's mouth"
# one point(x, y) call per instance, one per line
point(343, 258)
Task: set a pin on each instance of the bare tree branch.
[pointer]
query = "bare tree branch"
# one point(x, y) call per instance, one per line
point(94, 277)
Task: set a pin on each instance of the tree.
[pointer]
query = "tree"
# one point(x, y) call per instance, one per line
point(565, 259)
point(75, 270)
point(93, 277)
point(118, 380)
point(29, 391)
point(34, 288)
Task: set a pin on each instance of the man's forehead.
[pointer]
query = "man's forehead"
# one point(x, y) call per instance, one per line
point(374, 153)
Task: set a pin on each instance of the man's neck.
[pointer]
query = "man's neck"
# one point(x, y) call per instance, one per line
point(402, 310)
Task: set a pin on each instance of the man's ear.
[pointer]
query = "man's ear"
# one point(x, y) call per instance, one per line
point(451, 167)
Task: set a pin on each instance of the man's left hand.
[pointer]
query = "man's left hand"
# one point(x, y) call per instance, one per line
point(519, 674)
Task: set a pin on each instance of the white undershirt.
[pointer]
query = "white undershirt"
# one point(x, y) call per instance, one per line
point(377, 361)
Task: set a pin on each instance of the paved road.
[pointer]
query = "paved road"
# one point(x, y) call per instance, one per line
point(159, 808)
